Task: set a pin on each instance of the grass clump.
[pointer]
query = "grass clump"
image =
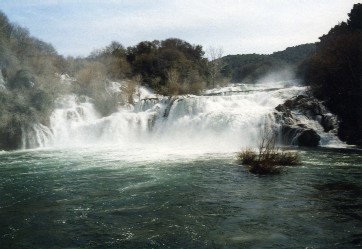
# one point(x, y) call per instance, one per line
point(268, 159)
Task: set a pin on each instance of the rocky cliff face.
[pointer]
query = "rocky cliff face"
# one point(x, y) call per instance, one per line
point(301, 119)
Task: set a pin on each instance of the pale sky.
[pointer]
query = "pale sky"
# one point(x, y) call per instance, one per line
point(77, 27)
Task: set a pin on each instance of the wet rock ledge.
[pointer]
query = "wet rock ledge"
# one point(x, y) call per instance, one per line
point(297, 118)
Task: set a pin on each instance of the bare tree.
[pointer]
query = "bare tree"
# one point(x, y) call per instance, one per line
point(267, 144)
point(215, 64)
point(133, 88)
point(173, 84)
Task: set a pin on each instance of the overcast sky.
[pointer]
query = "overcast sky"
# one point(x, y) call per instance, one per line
point(77, 27)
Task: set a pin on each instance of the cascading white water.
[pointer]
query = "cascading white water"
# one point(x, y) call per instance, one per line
point(226, 121)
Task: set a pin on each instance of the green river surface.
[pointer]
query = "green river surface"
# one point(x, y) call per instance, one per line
point(114, 198)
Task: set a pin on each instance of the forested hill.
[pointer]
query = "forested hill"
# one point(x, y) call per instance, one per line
point(334, 74)
point(296, 54)
point(250, 67)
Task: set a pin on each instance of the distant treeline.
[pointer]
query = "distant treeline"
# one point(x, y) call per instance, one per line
point(250, 68)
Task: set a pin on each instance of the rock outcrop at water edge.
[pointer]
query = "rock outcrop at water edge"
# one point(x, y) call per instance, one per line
point(299, 118)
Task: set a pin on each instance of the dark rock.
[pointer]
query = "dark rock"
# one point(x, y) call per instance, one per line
point(299, 136)
point(328, 122)
point(304, 104)
point(288, 133)
point(282, 108)
point(308, 138)
point(289, 103)
point(304, 126)
point(293, 130)
point(300, 97)
point(10, 139)
point(319, 118)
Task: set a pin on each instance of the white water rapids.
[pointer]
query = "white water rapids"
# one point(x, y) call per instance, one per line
point(225, 122)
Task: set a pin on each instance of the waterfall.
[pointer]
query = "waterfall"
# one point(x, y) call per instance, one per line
point(2, 81)
point(224, 120)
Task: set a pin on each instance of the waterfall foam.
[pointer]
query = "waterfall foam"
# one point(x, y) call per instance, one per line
point(214, 123)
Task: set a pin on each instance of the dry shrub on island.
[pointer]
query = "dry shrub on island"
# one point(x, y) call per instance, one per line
point(268, 159)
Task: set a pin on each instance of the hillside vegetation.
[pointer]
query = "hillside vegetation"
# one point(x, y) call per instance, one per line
point(334, 74)
point(28, 82)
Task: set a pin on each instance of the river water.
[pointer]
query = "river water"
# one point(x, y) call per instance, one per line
point(111, 198)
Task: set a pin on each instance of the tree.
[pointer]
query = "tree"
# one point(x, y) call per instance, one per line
point(133, 88)
point(334, 74)
point(114, 58)
point(157, 59)
point(173, 82)
point(215, 65)
point(355, 21)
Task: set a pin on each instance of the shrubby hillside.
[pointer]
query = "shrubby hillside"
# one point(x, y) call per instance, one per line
point(28, 82)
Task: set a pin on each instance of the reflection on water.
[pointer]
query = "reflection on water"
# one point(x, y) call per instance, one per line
point(109, 199)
